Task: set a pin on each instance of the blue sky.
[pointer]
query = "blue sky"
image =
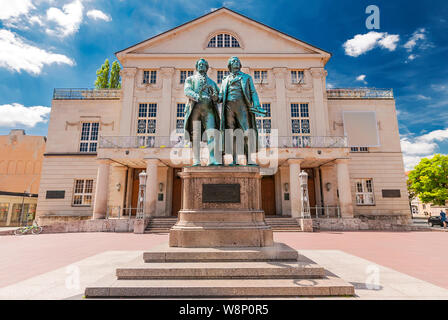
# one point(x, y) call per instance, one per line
point(46, 44)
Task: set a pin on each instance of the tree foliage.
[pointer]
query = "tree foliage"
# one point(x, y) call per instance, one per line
point(107, 78)
point(429, 180)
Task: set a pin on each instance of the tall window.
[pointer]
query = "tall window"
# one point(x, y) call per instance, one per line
point(82, 195)
point(300, 125)
point(89, 137)
point(149, 76)
point(260, 76)
point(364, 192)
point(264, 126)
point(359, 149)
point(180, 115)
point(184, 74)
point(146, 124)
point(296, 76)
point(223, 40)
point(221, 75)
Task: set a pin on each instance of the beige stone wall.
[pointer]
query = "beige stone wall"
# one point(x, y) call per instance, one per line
point(20, 162)
point(384, 164)
point(64, 128)
point(59, 173)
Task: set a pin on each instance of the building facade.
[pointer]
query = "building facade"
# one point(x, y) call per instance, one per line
point(347, 140)
point(21, 160)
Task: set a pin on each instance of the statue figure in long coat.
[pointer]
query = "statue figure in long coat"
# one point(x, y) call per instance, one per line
point(240, 105)
point(201, 113)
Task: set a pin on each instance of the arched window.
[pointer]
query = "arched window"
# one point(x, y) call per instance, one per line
point(223, 40)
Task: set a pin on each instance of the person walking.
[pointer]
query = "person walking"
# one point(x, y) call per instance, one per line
point(443, 218)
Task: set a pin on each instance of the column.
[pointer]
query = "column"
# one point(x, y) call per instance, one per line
point(151, 187)
point(166, 108)
point(320, 104)
point(294, 187)
point(127, 98)
point(280, 118)
point(345, 193)
point(102, 186)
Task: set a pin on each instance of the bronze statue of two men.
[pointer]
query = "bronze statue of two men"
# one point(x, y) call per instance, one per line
point(234, 126)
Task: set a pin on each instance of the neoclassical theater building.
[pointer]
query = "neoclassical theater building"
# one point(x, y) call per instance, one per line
point(347, 140)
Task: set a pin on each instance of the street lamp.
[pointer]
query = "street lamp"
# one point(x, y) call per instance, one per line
point(305, 208)
point(141, 195)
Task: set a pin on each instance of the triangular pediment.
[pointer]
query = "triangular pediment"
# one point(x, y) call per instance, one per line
point(254, 38)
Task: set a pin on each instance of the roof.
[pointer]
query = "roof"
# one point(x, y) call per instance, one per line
point(214, 12)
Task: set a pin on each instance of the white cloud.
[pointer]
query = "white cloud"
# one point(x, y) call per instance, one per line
point(15, 114)
point(389, 41)
point(424, 146)
point(362, 43)
point(416, 36)
point(361, 78)
point(14, 8)
point(422, 97)
point(98, 15)
point(17, 55)
point(68, 19)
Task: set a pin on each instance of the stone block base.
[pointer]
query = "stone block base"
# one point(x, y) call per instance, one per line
point(275, 271)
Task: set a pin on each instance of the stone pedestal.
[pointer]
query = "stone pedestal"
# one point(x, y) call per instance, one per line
point(221, 207)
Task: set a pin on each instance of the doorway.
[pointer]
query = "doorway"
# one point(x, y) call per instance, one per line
point(176, 203)
point(268, 195)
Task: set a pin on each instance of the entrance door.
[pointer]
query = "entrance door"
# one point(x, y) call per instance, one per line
point(177, 192)
point(311, 190)
point(135, 187)
point(268, 195)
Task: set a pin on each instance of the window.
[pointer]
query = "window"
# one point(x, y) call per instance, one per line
point(221, 75)
point(364, 192)
point(260, 76)
point(223, 40)
point(184, 74)
point(180, 116)
point(150, 76)
point(264, 126)
point(89, 137)
point(4, 209)
point(300, 125)
point(296, 76)
point(146, 124)
point(359, 149)
point(82, 195)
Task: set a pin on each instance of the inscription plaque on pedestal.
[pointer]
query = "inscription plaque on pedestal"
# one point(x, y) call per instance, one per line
point(221, 192)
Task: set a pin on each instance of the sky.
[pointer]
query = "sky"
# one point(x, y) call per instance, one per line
point(47, 44)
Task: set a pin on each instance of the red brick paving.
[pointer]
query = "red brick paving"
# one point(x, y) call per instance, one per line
point(418, 254)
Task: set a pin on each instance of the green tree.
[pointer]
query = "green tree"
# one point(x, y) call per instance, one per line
point(429, 180)
point(102, 76)
point(107, 77)
point(115, 76)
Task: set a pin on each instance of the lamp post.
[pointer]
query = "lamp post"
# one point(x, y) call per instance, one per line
point(141, 195)
point(305, 208)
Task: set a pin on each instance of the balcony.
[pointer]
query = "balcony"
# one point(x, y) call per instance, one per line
point(86, 94)
point(116, 142)
point(360, 93)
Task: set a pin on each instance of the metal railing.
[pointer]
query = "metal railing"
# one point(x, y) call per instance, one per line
point(86, 94)
point(117, 212)
point(325, 212)
point(360, 93)
point(143, 142)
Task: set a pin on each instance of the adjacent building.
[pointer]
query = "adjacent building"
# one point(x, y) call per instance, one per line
point(20, 166)
point(347, 140)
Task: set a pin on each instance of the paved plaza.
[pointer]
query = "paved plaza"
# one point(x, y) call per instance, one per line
point(381, 265)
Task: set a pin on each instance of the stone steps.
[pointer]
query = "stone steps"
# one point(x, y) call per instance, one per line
point(164, 253)
point(221, 270)
point(275, 271)
point(163, 225)
point(328, 286)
